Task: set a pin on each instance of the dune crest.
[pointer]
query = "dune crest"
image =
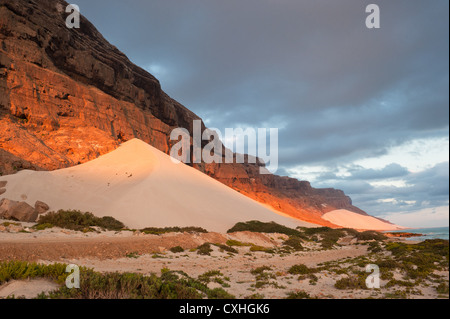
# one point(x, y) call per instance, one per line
point(345, 218)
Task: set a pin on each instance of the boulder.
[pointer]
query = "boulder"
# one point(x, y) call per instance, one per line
point(2, 191)
point(41, 207)
point(21, 211)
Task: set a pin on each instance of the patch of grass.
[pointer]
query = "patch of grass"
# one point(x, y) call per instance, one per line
point(227, 248)
point(76, 220)
point(18, 270)
point(232, 242)
point(255, 296)
point(352, 282)
point(294, 242)
point(260, 272)
point(442, 288)
point(370, 235)
point(418, 261)
point(6, 224)
point(298, 295)
point(164, 230)
point(403, 283)
point(396, 294)
point(260, 248)
point(375, 247)
point(214, 276)
point(177, 249)
point(132, 254)
point(261, 227)
point(328, 236)
point(43, 226)
point(94, 285)
point(301, 269)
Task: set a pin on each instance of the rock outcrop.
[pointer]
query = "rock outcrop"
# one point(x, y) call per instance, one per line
point(68, 96)
point(19, 211)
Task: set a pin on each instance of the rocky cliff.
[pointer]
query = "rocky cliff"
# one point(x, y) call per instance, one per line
point(68, 96)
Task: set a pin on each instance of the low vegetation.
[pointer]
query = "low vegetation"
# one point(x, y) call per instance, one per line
point(94, 285)
point(76, 220)
point(177, 249)
point(204, 249)
point(261, 227)
point(164, 230)
point(301, 269)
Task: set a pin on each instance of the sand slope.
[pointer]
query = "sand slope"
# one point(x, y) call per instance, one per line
point(141, 186)
point(345, 218)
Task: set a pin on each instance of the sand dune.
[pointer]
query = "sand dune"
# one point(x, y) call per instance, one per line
point(141, 186)
point(345, 218)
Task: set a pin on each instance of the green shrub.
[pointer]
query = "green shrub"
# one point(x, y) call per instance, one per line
point(227, 248)
point(294, 243)
point(329, 236)
point(209, 275)
point(352, 282)
point(298, 295)
point(94, 285)
point(204, 249)
point(164, 230)
point(370, 235)
point(133, 254)
point(17, 270)
point(442, 288)
point(43, 226)
point(177, 249)
point(260, 272)
point(301, 269)
point(261, 227)
point(76, 220)
point(374, 247)
point(255, 296)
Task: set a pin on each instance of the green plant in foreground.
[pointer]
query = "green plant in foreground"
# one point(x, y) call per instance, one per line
point(94, 285)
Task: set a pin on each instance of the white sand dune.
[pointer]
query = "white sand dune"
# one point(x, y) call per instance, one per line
point(346, 218)
point(141, 186)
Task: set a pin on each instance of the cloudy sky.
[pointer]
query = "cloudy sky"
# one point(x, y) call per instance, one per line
point(362, 110)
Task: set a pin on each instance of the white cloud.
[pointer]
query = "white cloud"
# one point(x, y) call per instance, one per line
point(429, 217)
point(416, 155)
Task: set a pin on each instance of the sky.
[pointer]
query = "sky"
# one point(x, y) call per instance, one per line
point(358, 109)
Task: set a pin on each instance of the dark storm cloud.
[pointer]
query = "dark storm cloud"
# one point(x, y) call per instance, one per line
point(337, 90)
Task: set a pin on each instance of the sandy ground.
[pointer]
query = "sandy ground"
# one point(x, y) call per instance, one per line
point(128, 251)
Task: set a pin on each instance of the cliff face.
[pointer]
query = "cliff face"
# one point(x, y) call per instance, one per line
point(68, 96)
